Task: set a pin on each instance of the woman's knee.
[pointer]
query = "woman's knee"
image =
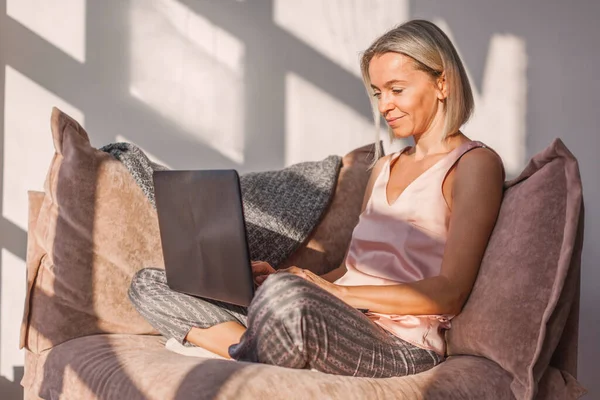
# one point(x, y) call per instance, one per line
point(144, 282)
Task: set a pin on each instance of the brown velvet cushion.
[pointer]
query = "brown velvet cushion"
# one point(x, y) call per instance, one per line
point(326, 246)
point(526, 285)
point(94, 230)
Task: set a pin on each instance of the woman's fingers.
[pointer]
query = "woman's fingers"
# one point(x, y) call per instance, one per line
point(292, 270)
point(296, 271)
point(261, 268)
point(261, 271)
point(260, 279)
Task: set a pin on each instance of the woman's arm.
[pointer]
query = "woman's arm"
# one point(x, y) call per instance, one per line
point(476, 198)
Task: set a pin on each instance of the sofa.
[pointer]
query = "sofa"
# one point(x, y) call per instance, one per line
point(92, 228)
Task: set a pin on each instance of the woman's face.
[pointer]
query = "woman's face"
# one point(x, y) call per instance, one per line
point(409, 99)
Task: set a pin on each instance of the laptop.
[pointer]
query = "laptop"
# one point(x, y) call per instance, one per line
point(203, 234)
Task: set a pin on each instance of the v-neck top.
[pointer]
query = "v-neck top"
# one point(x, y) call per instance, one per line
point(404, 241)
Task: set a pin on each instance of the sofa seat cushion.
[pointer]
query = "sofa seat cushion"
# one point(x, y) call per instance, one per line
point(113, 366)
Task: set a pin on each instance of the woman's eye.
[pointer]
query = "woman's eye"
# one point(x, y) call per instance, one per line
point(397, 91)
point(378, 95)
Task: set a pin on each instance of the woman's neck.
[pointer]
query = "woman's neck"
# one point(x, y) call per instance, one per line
point(431, 143)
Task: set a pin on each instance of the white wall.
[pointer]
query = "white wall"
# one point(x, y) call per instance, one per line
point(260, 84)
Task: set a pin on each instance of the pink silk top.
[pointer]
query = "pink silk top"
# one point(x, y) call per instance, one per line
point(404, 242)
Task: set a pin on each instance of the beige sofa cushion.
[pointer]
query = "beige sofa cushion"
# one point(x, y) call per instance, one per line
point(528, 279)
point(94, 230)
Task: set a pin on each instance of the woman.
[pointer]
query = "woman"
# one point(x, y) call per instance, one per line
point(427, 214)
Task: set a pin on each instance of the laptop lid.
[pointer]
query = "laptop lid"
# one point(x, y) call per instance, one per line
point(203, 234)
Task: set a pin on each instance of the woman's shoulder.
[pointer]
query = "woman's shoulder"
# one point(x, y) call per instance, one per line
point(480, 152)
point(479, 160)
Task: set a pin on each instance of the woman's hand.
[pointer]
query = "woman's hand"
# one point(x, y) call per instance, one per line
point(310, 276)
point(261, 271)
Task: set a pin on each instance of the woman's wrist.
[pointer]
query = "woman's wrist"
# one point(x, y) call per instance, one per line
point(341, 292)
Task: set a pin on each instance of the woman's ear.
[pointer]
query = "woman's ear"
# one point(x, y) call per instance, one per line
point(442, 87)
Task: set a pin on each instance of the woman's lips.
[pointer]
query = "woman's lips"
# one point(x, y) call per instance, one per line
point(392, 120)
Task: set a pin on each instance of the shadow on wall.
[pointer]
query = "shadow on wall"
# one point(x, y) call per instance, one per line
point(12, 389)
point(251, 85)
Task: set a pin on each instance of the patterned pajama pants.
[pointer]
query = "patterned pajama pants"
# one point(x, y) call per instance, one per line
point(291, 323)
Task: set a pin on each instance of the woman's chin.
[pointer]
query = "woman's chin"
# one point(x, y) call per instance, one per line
point(400, 134)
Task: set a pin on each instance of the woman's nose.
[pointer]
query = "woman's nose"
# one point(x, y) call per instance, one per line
point(384, 104)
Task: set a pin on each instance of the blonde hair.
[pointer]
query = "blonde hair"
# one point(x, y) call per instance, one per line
point(432, 52)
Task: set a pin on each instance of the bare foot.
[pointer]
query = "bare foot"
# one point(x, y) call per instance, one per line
point(217, 338)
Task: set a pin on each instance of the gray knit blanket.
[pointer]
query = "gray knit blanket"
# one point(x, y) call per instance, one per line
point(281, 207)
